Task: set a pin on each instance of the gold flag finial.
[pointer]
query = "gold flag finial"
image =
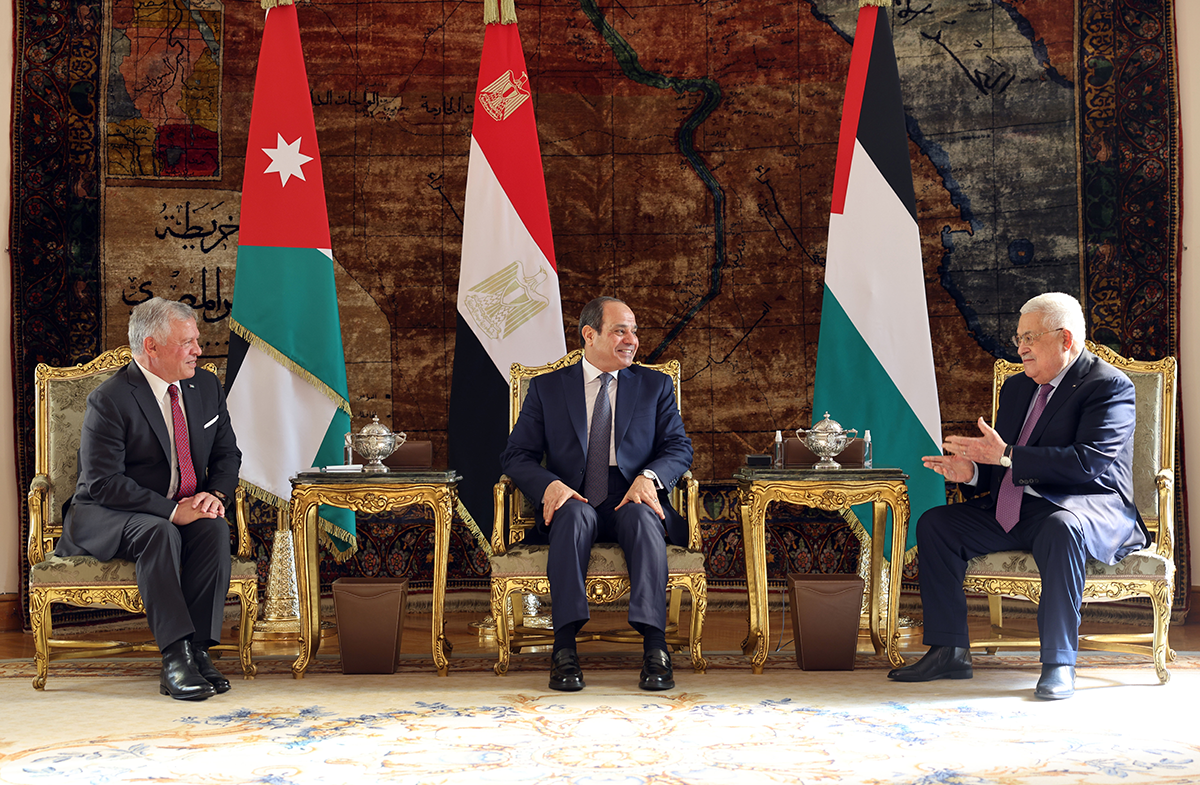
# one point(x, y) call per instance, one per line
point(267, 5)
point(865, 3)
point(502, 11)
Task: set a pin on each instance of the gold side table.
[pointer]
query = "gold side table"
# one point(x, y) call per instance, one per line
point(827, 490)
point(371, 493)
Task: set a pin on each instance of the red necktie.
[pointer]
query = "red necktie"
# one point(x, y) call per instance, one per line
point(1008, 498)
point(183, 450)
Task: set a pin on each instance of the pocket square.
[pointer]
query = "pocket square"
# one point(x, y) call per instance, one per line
point(213, 420)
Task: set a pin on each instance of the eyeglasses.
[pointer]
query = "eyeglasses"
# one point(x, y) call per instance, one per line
point(1025, 339)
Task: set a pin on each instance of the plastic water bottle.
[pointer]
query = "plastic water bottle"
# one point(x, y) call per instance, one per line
point(867, 449)
point(777, 454)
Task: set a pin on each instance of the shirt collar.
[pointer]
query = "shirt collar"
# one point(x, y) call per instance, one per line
point(591, 372)
point(1057, 380)
point(157, 385)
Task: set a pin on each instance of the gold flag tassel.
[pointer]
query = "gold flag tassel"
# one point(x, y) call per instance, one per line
point(861, 3)
point(502, 11)
point(269, 4)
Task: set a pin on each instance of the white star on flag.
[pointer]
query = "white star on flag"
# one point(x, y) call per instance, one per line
point(286, 159)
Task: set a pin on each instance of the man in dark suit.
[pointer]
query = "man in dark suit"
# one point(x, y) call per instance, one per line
point(1056, 478)
point(614, 446)
point(158, 462)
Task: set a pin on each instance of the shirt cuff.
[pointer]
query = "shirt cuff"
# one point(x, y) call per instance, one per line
point(172, 518)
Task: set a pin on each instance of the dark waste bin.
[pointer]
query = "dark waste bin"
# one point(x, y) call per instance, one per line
point(825, 614)
point(370, 621)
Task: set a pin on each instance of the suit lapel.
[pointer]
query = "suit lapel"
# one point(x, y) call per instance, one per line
point(1066, 388)
point(151, 408)
point(194, 412)
point(628, 393)
point(574, 395)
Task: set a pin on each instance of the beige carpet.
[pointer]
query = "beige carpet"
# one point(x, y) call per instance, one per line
point(107, 724)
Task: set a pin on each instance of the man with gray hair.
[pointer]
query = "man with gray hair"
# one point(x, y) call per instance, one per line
point(1055, 477)
point(158, 463)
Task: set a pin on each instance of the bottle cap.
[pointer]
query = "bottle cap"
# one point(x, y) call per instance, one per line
point(778, 436)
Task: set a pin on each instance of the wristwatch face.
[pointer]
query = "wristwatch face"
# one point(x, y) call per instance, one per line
point(647, 474)
point(1005, 461)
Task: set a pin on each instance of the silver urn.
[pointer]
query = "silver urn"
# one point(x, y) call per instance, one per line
point(826, 439)
point(374, 443)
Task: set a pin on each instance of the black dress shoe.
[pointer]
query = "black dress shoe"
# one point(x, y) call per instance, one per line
point(205, 667)
point(565, 673)
point(940, 662)
point(1057, 682)
point(179, 678)
point(657, 673)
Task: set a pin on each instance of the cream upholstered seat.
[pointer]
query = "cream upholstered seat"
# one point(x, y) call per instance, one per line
point(60, 402)
point(519, 569)
point(1149, 572)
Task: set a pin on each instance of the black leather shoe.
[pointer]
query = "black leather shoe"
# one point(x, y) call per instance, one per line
point(940, 662)
point(205, 667)
point(179, 678)
point(657, 673)
point(565, 673)
point(1057, 682)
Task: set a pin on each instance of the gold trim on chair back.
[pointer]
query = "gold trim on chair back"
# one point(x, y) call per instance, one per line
point(60, 394)
point(1154, 384)
point(520, 515)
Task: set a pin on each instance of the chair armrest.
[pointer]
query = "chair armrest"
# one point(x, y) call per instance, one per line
point(241, 515)
point(1164, 540)
point(501, 498)
point(690, 509)
point(39, 495)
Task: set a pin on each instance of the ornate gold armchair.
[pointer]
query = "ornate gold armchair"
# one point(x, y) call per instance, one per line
point(519, 569)
point(1149, 572)
point(61, 399)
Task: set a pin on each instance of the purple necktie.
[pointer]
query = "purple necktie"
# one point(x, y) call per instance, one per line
point(183, 450)
point(1008, 499)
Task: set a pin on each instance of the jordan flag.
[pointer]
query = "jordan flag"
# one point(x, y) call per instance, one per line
point(508, 301)
point(286, 379)
point(874, 355)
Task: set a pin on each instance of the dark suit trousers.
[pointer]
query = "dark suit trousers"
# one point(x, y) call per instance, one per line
point(950, 536)
point(182, 574)
point(641, 535)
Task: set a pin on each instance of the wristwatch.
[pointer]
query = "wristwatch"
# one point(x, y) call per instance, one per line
point(1006, 458)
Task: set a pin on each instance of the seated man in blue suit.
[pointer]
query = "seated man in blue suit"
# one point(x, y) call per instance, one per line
point(1055, 478)
point(614, 446)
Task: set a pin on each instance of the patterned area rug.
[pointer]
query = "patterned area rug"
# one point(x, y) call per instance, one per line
point(785, 726)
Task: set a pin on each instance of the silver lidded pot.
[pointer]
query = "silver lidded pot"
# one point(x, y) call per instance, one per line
point(826, 439)
point(376, 442)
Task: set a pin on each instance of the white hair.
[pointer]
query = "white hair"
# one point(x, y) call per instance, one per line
point(153, 319)
point(1059, 311)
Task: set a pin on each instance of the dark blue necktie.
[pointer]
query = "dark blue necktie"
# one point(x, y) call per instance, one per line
point(595, 476)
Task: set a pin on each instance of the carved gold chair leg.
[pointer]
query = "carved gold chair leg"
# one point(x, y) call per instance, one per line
point(40, 624)
point(699, 591)
point(501, 598)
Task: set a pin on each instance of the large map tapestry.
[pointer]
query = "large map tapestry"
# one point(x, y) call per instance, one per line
point(689, 155)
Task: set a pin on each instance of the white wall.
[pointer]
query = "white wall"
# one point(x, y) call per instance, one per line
point(1187, 16)
point(1188, 20)
point(11, 551)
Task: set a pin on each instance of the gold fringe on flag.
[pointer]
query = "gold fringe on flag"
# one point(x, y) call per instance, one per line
point(267, 5)
point(861, 3)
point(286, 362)
point(502, 11)
point(326, 531)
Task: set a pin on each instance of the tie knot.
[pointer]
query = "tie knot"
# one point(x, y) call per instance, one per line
point(605, 378)
point(1045, 390)
point(173, 391)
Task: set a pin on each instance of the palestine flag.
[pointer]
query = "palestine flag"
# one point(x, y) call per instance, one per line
point(286, 378)
point(875, 356)
point(509, 309)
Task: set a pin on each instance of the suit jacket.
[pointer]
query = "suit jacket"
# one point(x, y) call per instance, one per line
point(125, 457)
point(1079, 455)
point(647, 430)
